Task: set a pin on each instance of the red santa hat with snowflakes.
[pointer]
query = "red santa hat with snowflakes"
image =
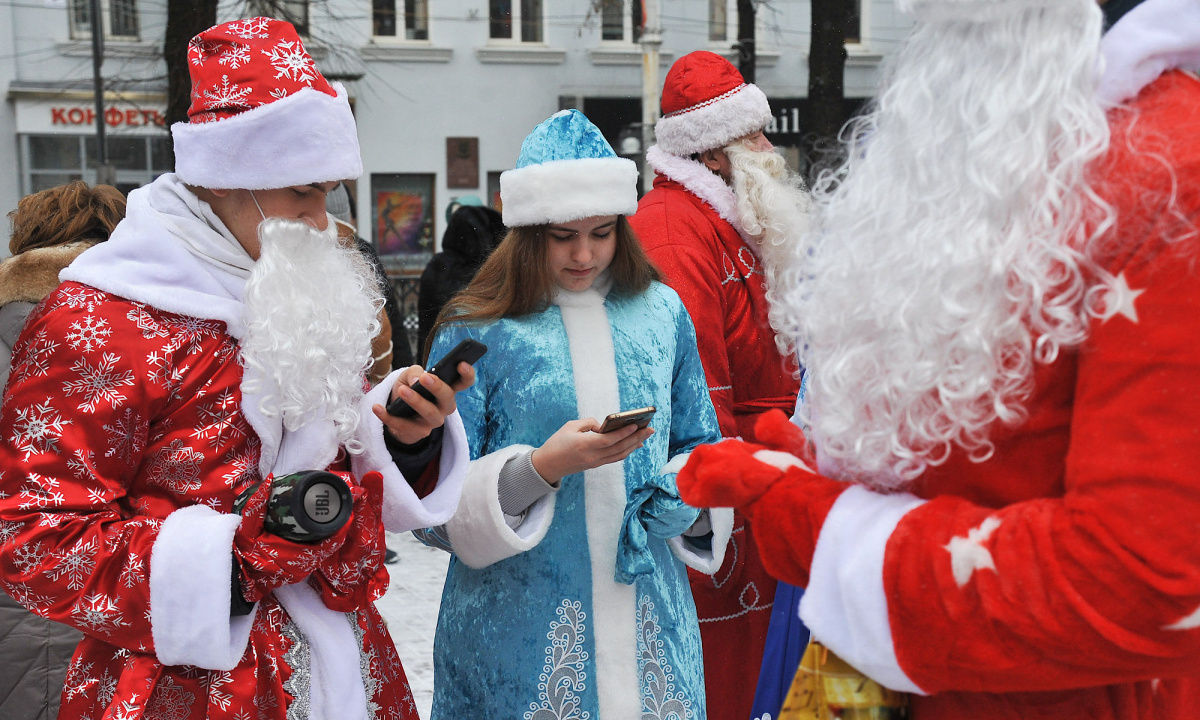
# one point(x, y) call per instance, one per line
point(707, 104)
point(262, 116)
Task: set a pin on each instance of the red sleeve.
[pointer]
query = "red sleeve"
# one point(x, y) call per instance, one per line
point(74, 423)
point(1101, 585)
point(684, 247)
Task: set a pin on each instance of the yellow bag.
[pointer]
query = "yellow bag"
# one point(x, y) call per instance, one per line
point(828, 688)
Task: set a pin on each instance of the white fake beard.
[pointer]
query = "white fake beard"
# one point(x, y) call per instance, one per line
point(311, 310)
point(774, 207)
point(953, 254)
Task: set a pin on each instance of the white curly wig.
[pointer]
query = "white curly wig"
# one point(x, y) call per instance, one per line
point(950, 249)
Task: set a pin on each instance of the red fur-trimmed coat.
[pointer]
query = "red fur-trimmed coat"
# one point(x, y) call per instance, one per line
point(118, 415)
point(720, 279)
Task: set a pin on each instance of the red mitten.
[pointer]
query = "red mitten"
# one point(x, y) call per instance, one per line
point(268, 561)
point(354, 575)
point(725, 475)
point(775, 430)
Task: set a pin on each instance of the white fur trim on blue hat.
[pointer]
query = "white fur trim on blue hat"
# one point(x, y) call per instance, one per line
point(565, 190)
point(714, 125)
point(307, 137)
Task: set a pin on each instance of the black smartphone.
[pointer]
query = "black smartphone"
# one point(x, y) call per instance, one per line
point(640, 417)
point(446, 370)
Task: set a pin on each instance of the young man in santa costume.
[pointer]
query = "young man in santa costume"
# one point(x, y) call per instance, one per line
point(999, 311)
point(723, 209)
point(217, 340)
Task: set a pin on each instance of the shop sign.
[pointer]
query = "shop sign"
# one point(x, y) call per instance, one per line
point(113, 117)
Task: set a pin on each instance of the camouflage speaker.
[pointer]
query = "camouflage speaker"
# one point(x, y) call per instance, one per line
point(307, 506)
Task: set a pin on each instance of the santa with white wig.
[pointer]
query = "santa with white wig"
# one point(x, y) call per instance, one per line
point(993, 501)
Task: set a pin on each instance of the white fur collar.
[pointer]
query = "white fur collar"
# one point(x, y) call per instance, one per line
point(1154, 37)
point(703, 183)
point(592, 297)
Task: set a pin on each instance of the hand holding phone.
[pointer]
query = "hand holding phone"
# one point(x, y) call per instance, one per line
point(446, 370)
point(640, 417)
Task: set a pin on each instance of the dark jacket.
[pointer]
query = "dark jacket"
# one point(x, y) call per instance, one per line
point(471, 235)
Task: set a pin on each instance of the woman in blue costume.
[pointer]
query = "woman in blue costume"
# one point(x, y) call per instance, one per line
point(567, 596)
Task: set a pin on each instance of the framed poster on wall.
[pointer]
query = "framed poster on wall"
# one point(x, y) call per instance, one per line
point(402, 218)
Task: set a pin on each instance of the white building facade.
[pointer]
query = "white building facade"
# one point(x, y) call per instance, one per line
point(444, 91)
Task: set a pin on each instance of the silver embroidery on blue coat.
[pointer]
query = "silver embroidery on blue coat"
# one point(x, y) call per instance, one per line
point(299, 684)
point(562, 678)
point(660, 699)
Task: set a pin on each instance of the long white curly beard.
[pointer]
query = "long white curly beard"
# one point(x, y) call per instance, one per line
point(950, 250)
point(311, 310)
point(774, 208)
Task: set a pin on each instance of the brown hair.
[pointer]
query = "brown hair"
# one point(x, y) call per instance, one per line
point(65, 214)
point(515, 280)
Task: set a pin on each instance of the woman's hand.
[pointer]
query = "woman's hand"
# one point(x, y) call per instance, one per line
point(429, 414)
point(575, 447)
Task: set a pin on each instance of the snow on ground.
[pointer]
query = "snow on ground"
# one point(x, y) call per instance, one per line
point(411, 609)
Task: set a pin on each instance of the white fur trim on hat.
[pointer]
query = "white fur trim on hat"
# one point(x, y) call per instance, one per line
point(304, 138)
point(715, 124)
point(564, 190)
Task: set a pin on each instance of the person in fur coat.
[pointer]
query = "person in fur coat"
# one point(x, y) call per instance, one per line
point(49, 230)
point(1000, 317)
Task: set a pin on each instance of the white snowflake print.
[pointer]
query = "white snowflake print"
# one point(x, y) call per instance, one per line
point(218, 420)
point(127, 435)
point(106, 688)
point(129, 710)
point(225, 95)
point(37, 430)
point(81, 466)
point(215, 697)
point(35, 359)
point(235, 55)
point(241, 463)
point(40, 491)
point(79, 679)
point(145, 322)
point(75, 564)
point(8, 531)
point(28, 558)
point(291, 61)
point(134, 571)
point(250, 28)
point(98, 382)
point(201, 51)
point(24, 595)
point(176, 467)
point(164, 374)
point(189, 331)
point(169, 701)
point(98, 613)
point(81, 297)
point(89, 334)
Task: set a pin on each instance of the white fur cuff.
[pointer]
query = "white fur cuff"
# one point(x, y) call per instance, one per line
point(707, 562)
point(191, 566)
point(308, 137)
point(478, 531)
point(402, 509)
point(564, 190)
point(845, 602)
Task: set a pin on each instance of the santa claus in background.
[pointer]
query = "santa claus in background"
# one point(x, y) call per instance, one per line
point(724, 212)
point(999, 312)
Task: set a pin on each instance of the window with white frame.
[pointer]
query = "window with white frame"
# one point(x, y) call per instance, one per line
point(293, 11)
point(718, 21)
point(621, 20)
point(515, 20)
point(119, 19)
point(407, 19)
point(854, 15)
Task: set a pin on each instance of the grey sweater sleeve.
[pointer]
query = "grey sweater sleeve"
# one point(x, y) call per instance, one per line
point(520, 485)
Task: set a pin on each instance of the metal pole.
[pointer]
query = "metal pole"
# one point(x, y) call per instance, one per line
point(105, 173)
point(651, 43)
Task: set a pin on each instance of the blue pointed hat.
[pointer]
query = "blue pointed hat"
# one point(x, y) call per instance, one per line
point(567, 171)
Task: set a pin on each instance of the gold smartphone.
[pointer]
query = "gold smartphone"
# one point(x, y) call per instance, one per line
point(640, 417)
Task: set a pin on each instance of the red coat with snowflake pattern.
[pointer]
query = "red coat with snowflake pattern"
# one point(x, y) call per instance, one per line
point(116, 415)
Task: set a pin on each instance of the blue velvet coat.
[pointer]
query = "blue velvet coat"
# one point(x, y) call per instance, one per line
point(584, 609)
